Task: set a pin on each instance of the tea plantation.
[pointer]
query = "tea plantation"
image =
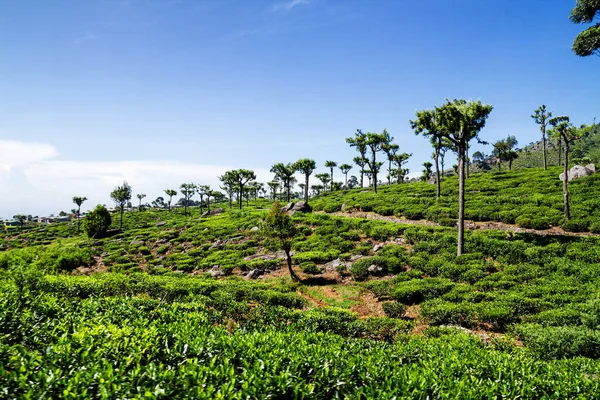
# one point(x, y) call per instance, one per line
point(163, 308)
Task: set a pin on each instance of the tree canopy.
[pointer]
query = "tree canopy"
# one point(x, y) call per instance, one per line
point(587, 42)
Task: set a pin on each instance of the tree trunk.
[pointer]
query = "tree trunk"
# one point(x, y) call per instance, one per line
point(306, 176)
point(461, 200)
point(230, 200)
point(201, 204)
point(374, 173)
point(331, 184)
point(400, 174)
point(78, 218)
point(240, 197)
point(442, 157)
point(559, 151)
point(510, 164)
point(208, 203)
point(499, 165)
point(565, 182)
point(389, 171)
point(289, 265)
point(121, 225)
point(362, 176)
point(437, 173)
point(466, 160)
point(544, 146)
point(288, 192)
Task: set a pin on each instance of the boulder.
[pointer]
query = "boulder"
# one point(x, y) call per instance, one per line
point(216, 271)
point(210, 213)
point(331, 266)
point(374, 269)
point(161, 223)
point(302, 206)
point(343, 207)
point(219, 244)
point(378, 247)
point(255, 274)
point(579, 171)
point(137, 243)
point(254, 229)
point(287, 207)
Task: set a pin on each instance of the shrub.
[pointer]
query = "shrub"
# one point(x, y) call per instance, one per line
point(393, 309)
point(97, 222)
point(447, 222)
point(575, 225)
point(310, 267)
point(560, 342)
point(417, 290)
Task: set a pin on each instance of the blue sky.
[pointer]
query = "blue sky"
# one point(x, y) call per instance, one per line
point(160, 92)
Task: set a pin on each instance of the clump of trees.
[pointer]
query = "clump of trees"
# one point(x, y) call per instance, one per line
point(504, 151)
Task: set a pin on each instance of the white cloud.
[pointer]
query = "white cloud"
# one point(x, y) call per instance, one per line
point(287, 6)
point(37, 183)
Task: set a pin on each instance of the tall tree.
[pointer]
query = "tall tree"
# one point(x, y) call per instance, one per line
point(230, 185)
point(239, 178)
point(375, 143)
point(285, 173)
point(400, 160)
point(140, 196)
point(280, 229)
point(588, 41)
point(461, 121)
point(562, 128)
point(170, 193)
point(273, 185)
point(202, 190)
point(360, 142)
point(187, 190)
point(324, 178)
point(390, 150)
point(331, 165)
point(121, 196)
point(79, 201)
point(307, 167)
point(541, 116)
point(427, 171)
point(345, 168)
point(426, 124)
point(21, 219)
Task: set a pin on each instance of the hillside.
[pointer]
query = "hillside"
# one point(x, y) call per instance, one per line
point(162, 309)
point(532, 198)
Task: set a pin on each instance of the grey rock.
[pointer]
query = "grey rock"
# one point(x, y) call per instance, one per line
point(137, 243)
point(331, 266)
point(255, 274)
point(161, 223)
point(301, 206)
point(374, 269)
point(219, 244)
point(104, 255)
point(579, 171)
point(356, 257)
point(216, 211)
point(254, 229)
point(216, 271)
point(287, 207)
point(343, 207)
point(378, 247)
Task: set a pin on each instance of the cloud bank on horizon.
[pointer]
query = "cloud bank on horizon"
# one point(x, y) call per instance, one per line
point(36, 181)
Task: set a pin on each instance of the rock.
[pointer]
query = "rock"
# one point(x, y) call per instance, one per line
point(216, 211)
point(579, 171)
point(254, 229)
point(161, 241)
point(343, 207)
point(254, 274)
point(219, 244)
point(332, 265)
point(161, 223)
point(374, 269)
point(287, 207)
point(301, 206)
point(104, 255)
point(378, 247)
point(271, 256)
point(216, 271)
point(137, 243)
point(356, 257)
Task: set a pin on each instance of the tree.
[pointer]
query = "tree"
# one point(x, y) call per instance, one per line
point(280, 230)
point(461, 121)
point(479, 158)
point(229, 185)
point(305, 166)
point(400, 160)
point(121, 196)
point(21, 219)
point(187, 190)
point(427, 171)
point(238, 178)
point(202, 190)
point(285, 173)
point(140, 197)
point(331, 165)
point(426, 124)
point(390, 150)
point(78, 201)
point(541, 117)
point(273, 185)
point(159, 202)
point(324, 178)
point(352, 182)
point(254, 188)
point(565, 131)
point(317, 189)
point(345, 168)
point(360, 142)
point(588, 41)
point(170, 193)
point(375, 143)
point(97, 222)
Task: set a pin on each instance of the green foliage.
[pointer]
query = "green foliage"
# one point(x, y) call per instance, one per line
point(97, 222)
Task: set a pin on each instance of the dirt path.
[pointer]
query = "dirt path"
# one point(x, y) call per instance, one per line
point(472, 225)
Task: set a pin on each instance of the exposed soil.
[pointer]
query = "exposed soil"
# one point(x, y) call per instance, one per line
point(472, 225)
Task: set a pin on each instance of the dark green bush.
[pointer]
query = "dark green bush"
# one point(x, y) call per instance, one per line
point(96, 223)
point(393, 309)
point(575, 225)
point(310, 267)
